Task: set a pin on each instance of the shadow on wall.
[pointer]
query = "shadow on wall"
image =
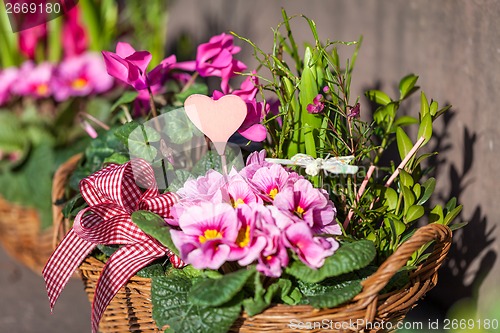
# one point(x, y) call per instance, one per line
point(471, 257)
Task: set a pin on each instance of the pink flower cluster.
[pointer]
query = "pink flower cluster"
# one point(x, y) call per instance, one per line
point(81, 75)
point(263, 214)
point(213, 59)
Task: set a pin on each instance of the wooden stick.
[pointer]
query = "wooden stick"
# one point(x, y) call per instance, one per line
point(407, 158)
point(361, 190)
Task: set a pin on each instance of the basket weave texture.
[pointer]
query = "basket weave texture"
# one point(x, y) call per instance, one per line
point(20, 227)
point(131, 308)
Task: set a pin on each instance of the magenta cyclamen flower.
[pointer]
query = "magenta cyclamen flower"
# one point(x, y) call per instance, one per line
point(29, 39)
point(81, 76)
point(317, 105)
point(215, 58)
point(248, 88)
point(306, 203)
point(207, 233)
point(74, 37)
point(311, 250)
point(128, 65)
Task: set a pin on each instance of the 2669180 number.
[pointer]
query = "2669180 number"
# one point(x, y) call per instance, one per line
point(33, 8)
point(470, 324)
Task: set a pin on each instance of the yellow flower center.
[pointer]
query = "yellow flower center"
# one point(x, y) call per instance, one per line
point(273, 193)
point(300, 211)
point(237, 202)
point(79, 83)
point(209, 234)
point(243, 237)
point(42, 89)
point(268, 258)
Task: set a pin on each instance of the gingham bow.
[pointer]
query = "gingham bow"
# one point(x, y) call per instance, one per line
point(112, 195)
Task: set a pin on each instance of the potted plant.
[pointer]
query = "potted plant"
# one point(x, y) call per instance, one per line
point(176, 229)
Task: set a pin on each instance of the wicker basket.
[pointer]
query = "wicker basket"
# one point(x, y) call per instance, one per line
point(131, 308)
point(21, 235)
point(20, 227)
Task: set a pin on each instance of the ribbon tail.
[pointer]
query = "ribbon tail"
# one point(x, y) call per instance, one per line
point(63, 262)
point(120, 267)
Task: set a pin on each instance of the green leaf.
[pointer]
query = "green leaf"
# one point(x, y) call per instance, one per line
point(409, 198)
point(417, 189)
point(179, 129)
point(451, 215)
point(433, 108)
point(151, 271)
point(171, 306)
point(139, 142)
point(405, 178)
point(423, 157)
point(215, 292)
point(404, 142)
point(451, 204)
point(196, 88)
point(436, 215)
point(154, 225)
point(378, 97)
point(424, 106)
point(429, 186)
point(181, 176)
point(117, 158)
point(391, 198)
point(108, 250)
point(396, 225)
point(405, 121)
point(258, 302)
point(442, 111)
point(425, 128)
point(414, 212)
point(457, 226)
point(349, 257)
point(407, 85)
point(289, 294)
point(334, 295)
point(125, 98)
point(123, 132)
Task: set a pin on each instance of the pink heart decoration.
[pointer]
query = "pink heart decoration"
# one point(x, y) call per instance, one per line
point(219, 119)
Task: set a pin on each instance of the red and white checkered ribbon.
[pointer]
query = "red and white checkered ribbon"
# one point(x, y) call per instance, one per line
point(113, 195)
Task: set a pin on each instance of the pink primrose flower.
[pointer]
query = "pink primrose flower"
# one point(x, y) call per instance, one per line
point(81, 76)
point(210, 187)
point(240, 192)
point(8, 77)
point(35, 81)
point(248, 244)
point(207, 233)
point(311, 250)
point(303, 202)
point(268, 181)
